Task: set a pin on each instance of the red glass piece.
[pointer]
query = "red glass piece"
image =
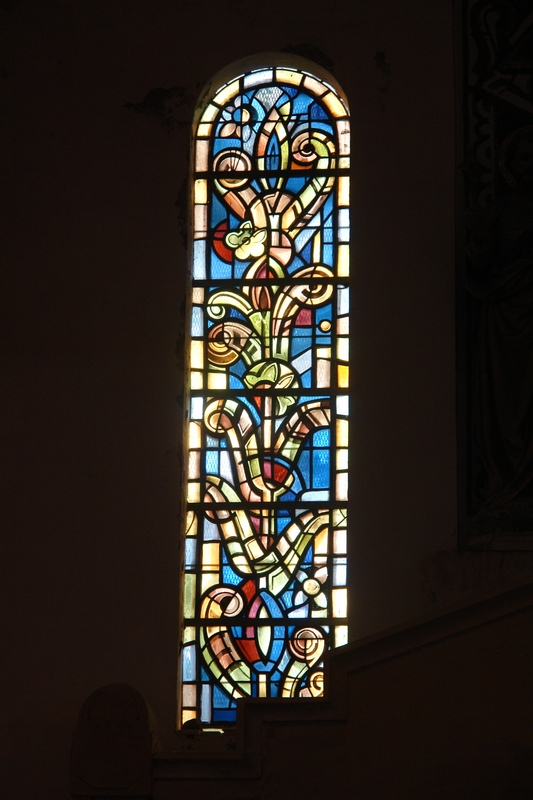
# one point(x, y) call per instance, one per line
point(219, 246)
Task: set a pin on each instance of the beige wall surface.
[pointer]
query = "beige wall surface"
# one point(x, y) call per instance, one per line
point(93, 280)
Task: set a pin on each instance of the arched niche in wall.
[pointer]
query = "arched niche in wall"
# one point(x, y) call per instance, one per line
point(265, 545)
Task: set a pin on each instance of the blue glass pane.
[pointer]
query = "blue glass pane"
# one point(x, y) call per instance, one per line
point(224, 716)
point(189, 662)
point(317, 112)
point(228, 576)
point(220, 698)
point(321, 475)
point(190, 552)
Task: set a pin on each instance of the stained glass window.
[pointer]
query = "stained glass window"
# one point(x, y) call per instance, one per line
point(265, 553)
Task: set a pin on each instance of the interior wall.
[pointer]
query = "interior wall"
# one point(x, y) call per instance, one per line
point(92, 330)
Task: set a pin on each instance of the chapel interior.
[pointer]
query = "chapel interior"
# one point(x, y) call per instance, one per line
point(432, 698)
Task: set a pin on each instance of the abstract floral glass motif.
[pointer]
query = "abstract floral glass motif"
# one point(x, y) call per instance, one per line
point(265, 545)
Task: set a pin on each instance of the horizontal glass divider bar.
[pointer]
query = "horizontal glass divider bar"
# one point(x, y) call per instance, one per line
point(293, 391)
point(238, 283)
point(226, 622)
point(273, 173)
point(298, 505)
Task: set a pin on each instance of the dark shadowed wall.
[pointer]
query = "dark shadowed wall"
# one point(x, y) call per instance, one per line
point(93, 280)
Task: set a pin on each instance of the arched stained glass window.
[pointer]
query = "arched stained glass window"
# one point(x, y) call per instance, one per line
point(265, 544)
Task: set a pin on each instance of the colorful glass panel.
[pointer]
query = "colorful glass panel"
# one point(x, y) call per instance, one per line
point(265, 547)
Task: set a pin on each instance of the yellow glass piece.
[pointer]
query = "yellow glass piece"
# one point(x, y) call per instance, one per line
point(344, 162)
point(193, 492)
point(194, 464)
point(335, 105)
point(341, 635)
point(343, 260)
point(200, 192)
point(217, 380)
point(321, 542)
point(195, 435)
point(254, 549)
point(343, 348)
point(315, 86)
point(189, 635)
point(339, 517)
point(210, 113)
point(189, 694)
point(204, 129)
point(342, 458)
point(227, 93)
point(189, 594)
point(187, 714)
point(264, 637)
point(197, 380)
point(262, 685)
point(317, 247)
point(342, 432)
point(339, 541)
point(341, 486)
point(211, 556)
point(343, 376)
point(202, 155)
point(197, 354)
point(289, 76)
point(198, 295)
point(192, 523)
point(209, 579)
point(343, 190)
point(339, 602)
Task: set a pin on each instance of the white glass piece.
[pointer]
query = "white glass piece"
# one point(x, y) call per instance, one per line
point(341, 635)
point(257, 78)
point(343, 132)
point(303, 362)
point(343, 348)
point(211, 532)
point(197, 407)
point(343, 326)
point(189, 694)
point(316, 494)
point(339, 572)
point(339, 541)
point(342, 458)
point(343, 405)
point(202, 155)
point(344, 218)
point(199, 260)
point(343, 301)
point(341, 482)
point(323, 374)
point(225, 466)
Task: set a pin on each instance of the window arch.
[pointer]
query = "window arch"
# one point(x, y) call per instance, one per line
point(265, 544)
